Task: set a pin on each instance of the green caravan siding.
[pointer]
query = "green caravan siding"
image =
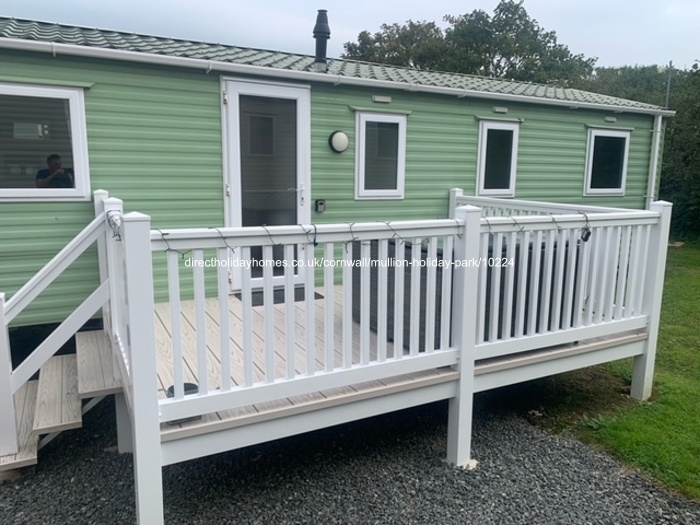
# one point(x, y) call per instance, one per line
point(442, 150)
point(154, 140)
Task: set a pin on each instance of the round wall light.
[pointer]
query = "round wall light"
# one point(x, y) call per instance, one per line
point(338, 141)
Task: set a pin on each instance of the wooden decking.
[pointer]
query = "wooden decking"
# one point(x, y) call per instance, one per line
point(327, 398)
point(280, 408)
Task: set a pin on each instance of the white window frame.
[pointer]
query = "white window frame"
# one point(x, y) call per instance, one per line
point(598, 132)
point(484, 128)
point(360, 191)
point(81, 166)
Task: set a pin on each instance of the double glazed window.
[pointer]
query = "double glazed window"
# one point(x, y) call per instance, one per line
point(498, 158)
point(37, 123)
point(381, 156)
point(606, 162)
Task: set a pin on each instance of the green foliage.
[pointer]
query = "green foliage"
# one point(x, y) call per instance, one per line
point(511, 45)
point(416, 44)
point(680, 171)
point(680, 179)
point(508, 44)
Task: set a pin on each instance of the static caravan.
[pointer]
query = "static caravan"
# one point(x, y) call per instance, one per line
point(519, 219)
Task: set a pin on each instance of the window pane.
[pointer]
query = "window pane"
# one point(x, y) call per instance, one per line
point(31, 129)
point(262, 135)
point(608, 160)
point(381, 155)
point(499, 152)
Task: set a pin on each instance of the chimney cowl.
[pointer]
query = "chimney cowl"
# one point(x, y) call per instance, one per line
point(322, 32)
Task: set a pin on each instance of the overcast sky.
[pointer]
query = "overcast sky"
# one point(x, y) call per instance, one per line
point(618, 32)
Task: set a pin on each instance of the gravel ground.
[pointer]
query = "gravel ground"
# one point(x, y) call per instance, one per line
point(384, 470)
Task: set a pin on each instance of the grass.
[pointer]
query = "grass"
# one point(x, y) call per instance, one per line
point(661, 437)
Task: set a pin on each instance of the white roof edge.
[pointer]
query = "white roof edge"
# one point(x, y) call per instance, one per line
point(209, 65)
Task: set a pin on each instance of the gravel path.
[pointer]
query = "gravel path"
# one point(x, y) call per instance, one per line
point(385, 470)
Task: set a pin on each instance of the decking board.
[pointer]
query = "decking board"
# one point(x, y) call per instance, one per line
point(25, 405)
point(95, 365)
point(58, 407)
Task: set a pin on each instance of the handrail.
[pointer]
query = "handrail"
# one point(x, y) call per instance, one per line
point(539, 222)
point(544, 207)
point(185, 239)
point(58, 337)
point(54, 268)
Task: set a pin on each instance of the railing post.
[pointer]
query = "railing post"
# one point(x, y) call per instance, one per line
point(8, 434)
point(136, 229)
point(464, 295)
point(643, 371)
point(455, 193)
point(112, 208)
point(99, 196)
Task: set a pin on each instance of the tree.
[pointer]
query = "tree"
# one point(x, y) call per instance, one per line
point(680, 182)
point(416, 44)
point(508, 44)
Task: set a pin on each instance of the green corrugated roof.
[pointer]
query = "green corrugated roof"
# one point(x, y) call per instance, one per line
point(12, 28)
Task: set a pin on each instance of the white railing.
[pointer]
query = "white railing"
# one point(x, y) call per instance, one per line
point(403, 311)
point(552, 280)
point(498, 207)
point(116, 315)
point(12, 380)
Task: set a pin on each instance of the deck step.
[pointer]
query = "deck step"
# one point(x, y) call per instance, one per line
point(95, 365)
point(25, 404)
point(58, 407)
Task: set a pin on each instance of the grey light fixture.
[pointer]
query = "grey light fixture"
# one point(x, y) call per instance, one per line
point(338, 141)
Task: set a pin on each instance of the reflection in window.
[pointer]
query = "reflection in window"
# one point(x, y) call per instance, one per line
point(31, 129)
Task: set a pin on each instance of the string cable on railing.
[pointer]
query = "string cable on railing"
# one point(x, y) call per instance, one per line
point(274, 243)
point(586, 231)
point(223, 238)
point(555, 222)
point(488, 225)
point(306, 232)
point(353, 238)
point(169, 248)
point(459, 234)
point(114, 219)
point(520, 227)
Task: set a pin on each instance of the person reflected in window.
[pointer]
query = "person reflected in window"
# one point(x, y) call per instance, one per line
point(55, 175)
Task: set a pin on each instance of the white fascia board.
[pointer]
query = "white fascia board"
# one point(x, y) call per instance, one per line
point(308, 76)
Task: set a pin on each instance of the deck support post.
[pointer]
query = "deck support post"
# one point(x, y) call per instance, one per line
point(148, 474)
point(464, 296)
point(643, 371)
point(125, 442)
point(8, 430)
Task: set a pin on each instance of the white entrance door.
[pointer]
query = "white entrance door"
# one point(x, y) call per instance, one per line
point(268, 134)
